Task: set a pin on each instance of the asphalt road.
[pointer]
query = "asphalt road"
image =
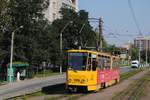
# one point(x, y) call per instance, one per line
point(33, 85)
point(29, 86)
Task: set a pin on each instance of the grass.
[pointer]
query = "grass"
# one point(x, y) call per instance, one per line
point(45, 74)
point(2, 83)
point(129, 74)
point(26, 96)
point(135, 90)
point(39, 93)
point(124, 65)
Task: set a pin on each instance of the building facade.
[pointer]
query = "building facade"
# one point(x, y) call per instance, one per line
point(52, 13)
point(143, 42)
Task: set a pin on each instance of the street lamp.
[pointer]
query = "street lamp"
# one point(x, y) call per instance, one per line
point(11, 53)
point(61, 43)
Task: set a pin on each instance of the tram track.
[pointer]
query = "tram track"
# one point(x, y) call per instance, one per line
point(135, 90)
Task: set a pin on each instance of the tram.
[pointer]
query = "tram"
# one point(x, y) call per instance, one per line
point(91, 70)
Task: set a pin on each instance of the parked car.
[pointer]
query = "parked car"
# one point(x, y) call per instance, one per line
point(135, 64)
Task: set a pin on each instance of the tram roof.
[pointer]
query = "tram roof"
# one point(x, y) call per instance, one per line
point(90, 51)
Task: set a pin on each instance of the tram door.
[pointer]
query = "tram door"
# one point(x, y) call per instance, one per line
point(92, 62)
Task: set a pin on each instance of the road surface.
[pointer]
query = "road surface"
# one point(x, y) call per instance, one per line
point(36, 84)
point(29, 86)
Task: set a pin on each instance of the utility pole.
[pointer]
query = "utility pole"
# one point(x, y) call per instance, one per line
point(146, 47)
point(61, 47)
point(100, 43)
point(11, 53)
point(139, 51)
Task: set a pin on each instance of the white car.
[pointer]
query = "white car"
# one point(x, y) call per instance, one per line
point(135, 64)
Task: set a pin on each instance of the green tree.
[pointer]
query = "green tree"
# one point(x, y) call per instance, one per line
point(31, 42)
point(111, 49)
point(78, 33)
point(5, 21)
point(143, 55)
point(134, 53)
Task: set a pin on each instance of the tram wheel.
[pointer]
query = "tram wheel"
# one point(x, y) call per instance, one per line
point(117, 80)
point(103, 85)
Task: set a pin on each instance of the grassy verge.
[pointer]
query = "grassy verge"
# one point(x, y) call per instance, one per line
point(125, 65)
point(45, 74)
point(134, 91)
point(129, 74)
point(2, 83)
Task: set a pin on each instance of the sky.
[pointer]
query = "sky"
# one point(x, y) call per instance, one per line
point(118, 18)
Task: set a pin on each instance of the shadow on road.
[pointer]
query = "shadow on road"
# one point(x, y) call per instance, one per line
point(55, 89)
point(60, 89)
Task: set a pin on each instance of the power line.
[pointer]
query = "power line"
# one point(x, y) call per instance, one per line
point(134, 17)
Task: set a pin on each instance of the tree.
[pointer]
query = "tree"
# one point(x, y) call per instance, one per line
point(143, 55)
point(5, 21)
point(78, 33)
point(31, 42)
point(134, 53)
point(111, 49)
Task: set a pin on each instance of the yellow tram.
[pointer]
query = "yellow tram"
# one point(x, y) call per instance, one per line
point(91, 70)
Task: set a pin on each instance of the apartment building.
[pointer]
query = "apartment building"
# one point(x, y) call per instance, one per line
point(52, 12)
point(143, 42)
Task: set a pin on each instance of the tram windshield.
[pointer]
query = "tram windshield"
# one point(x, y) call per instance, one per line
point(77, 61)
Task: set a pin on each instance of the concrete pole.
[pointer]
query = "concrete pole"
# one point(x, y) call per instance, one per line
point(11, 54)
point(61, 53)
point(100, 34)
point(140, 51)
point(146, 46)
point(61, 48)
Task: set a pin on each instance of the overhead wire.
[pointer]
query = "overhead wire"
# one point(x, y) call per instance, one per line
point(134, 17)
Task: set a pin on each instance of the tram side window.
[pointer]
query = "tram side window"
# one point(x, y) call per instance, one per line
point(100, 62)
point(94, 64)
point(107, 63)
point(89, 63)
point(115, 63)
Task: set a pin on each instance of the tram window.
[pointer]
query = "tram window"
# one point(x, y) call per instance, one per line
point(94, 64)
point(100, 63)
point(77, 61)
point(107, 63)
point(115, 64)
point(89, 64)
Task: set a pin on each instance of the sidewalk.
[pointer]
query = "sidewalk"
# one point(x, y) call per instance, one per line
point(29, 86)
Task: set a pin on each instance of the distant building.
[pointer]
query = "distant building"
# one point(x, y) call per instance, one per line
point(143, 42)
point(127, 45)
point(52, 13)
